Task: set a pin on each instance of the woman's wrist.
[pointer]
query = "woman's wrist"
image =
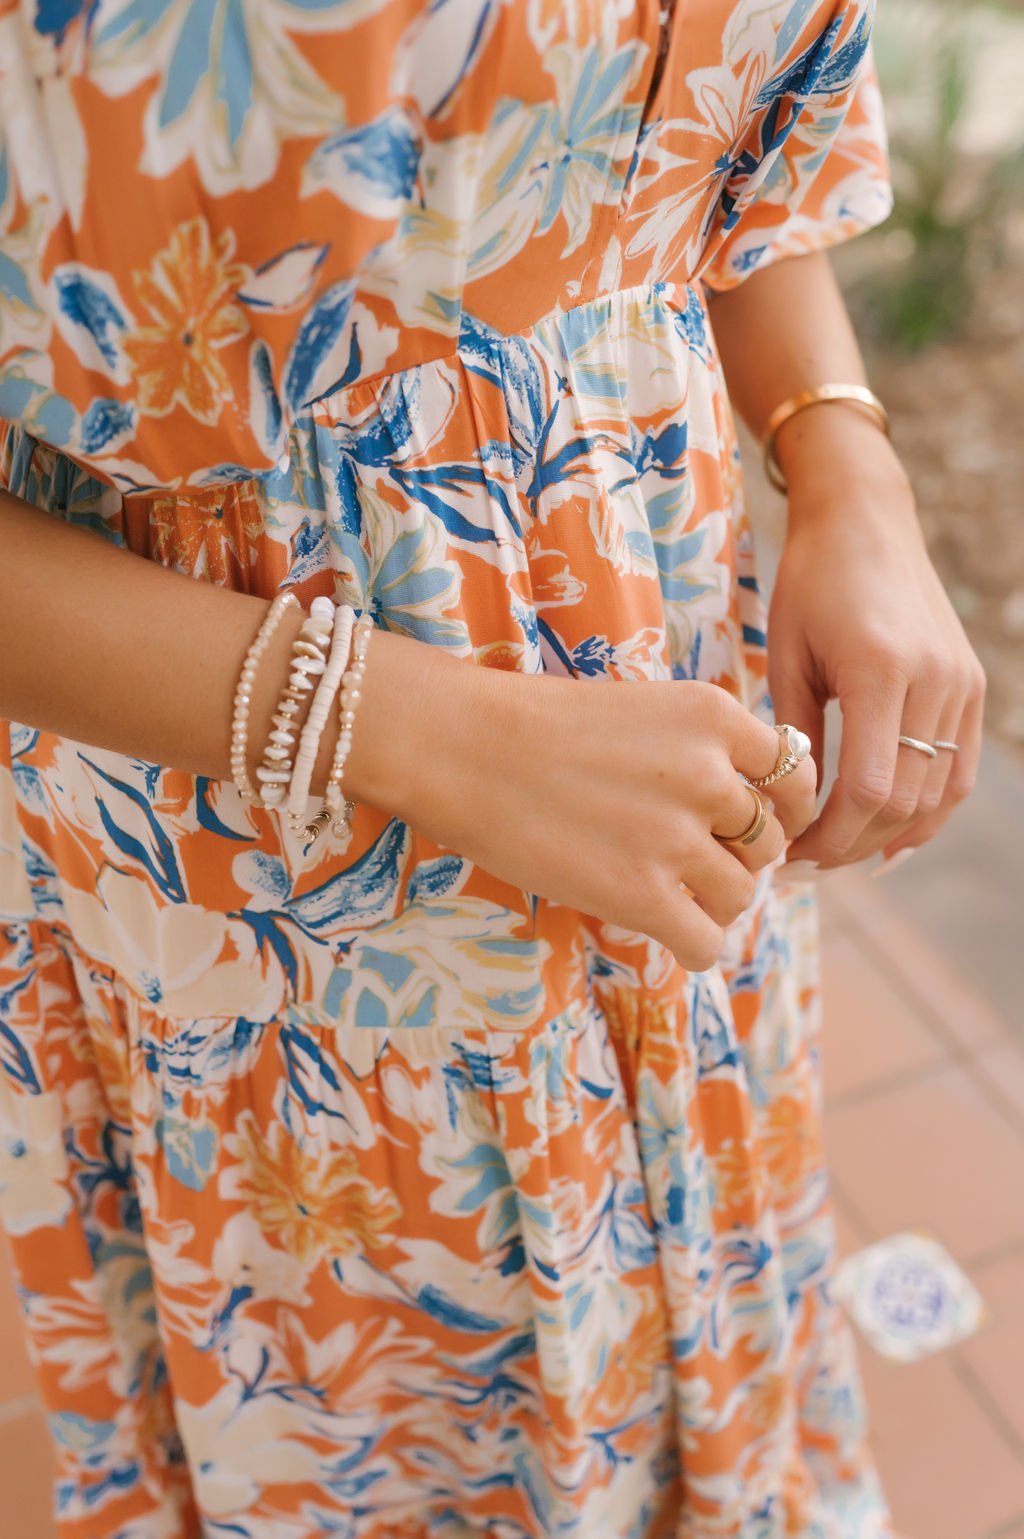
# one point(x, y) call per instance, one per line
point(833, 439)
point(389, 737)
point(411, 697)
point(120, 653)
point(832, 449)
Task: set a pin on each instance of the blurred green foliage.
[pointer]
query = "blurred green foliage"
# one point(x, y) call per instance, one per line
point(953, 205)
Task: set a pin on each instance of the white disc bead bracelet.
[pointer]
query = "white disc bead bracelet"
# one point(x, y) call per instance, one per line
point(319, 711)
point(243, 697)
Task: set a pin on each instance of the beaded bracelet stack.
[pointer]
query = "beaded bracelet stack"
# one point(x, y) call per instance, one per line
point(328, 654)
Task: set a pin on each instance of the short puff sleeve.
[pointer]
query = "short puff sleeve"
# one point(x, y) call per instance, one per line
point(827, 181)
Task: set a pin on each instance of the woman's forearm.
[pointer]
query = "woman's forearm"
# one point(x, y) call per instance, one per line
point(782, 331)
point(106, 648)
point(522, 774)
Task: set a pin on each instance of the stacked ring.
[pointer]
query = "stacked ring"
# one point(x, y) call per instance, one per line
point(757, 827)
point(915, 742)
point(794, 748)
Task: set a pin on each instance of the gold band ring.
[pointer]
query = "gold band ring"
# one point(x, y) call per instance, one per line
point(756, 828)
point(915, 742)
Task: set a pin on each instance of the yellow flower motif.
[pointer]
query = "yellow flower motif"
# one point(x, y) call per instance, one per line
point(210, 535)
point(188, 292)
point(646, 1032)
point(309, 1201)
point(630, 1364)
point(109, 1054)
point(740, 1182)
point(790, 1140)
point(766, 1401)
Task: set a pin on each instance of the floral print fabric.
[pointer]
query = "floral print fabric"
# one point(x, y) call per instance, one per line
point(366, 1195)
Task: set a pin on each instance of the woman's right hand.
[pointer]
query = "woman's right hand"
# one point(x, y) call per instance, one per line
point(602, 798)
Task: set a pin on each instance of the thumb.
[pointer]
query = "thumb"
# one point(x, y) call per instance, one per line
point(799, 699)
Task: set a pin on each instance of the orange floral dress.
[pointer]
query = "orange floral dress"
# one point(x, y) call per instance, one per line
point(364, 1194)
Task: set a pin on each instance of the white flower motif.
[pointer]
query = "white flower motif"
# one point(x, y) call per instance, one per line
point(71, 1333)
point(454, 961)
point(35, 1191)
point(243, 1259)
point(187, 961)
point(230, 87)
point(237, 1448)
point(421, 267)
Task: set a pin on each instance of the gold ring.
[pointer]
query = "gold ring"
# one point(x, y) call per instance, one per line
point(794, 746)
point(915, 742)
point(756, 828)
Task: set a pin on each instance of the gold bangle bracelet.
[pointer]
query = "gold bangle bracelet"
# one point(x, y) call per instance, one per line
point(859, 395)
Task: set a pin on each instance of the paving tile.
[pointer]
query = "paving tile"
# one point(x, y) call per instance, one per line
point(26, 1480)
point(871, 1033)
point(850, 1235)
point(1000, 1069)
point(950, 1002)
point(931, 1155)
point(961, 893)
point(16, 1376)
point(946, 1472)
point(832, 918)
point(995, 1355)
point(963, 890)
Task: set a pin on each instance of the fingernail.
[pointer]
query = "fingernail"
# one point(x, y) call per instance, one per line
point(802, 871)
point(899, 859)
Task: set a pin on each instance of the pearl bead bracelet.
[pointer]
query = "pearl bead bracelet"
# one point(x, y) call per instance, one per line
point(243, 697)
point(338, 805)
point(308, 660)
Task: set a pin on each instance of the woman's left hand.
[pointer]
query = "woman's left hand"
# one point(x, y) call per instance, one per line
point(859, 614)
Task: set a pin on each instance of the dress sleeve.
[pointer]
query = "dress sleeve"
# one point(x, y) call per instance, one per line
point(827, 181)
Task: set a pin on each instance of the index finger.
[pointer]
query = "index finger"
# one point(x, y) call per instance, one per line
point(872, 710)
point(755, 752)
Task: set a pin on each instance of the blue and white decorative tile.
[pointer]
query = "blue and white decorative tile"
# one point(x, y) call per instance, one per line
point(908, 1296)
